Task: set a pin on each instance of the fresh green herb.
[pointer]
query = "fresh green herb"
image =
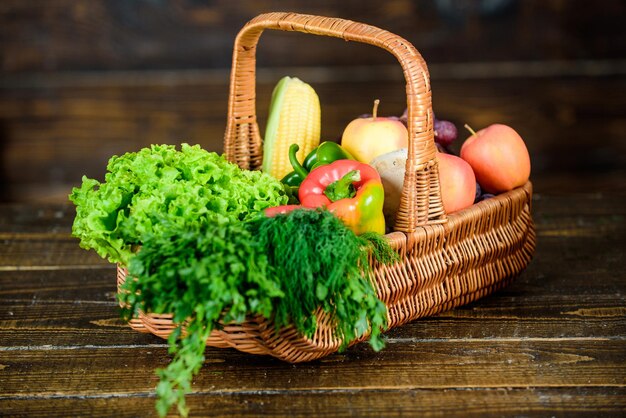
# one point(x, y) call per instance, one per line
point(188, 188)
point(287, 268)
point(320, 263)
point(201, 276)
point(380, 248)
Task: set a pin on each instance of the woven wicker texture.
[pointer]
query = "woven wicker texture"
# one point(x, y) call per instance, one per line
point(446, 260)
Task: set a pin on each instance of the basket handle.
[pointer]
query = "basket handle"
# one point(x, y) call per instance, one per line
point(420, 202)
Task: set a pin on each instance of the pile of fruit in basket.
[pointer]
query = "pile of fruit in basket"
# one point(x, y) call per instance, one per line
point(211, 243)
point(492, 161)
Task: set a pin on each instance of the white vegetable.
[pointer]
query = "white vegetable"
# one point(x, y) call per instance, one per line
point(391, 167)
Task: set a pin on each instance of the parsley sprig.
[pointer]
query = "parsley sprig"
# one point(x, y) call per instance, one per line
point(201, 276)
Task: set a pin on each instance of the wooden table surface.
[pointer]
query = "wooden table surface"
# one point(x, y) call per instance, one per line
point(551, 344)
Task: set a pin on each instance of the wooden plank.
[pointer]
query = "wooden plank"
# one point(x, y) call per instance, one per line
point(66, 324)
point(53, 285)
point(18, 220)
point(550, 299)
point(542, 278)
point(39, 238)
point(564, 362)
point(48, 252)
point(54, 135)
point(580, 214)
point(566, 226)
point(558, 330)
point(555, 210)
point(39, 323)
point(550, 344)
point(96, 283)
point(532, 402)
point(66, 35)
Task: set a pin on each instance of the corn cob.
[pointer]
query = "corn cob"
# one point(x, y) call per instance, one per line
point(294, 118)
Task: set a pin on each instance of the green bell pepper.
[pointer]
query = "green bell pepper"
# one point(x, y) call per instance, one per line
point(326, 153)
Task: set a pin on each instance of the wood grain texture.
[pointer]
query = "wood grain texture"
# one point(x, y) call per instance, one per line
point(64, 35)
point(54, 253)
point(415, 365)
point(52, 136)
point(41, 324)
point(82, 82)
point(23, 219)
point(478, 402)
point(553, 343)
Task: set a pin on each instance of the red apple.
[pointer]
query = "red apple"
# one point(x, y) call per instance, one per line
point(456, 182)
point(498, 157)
point(367, 138)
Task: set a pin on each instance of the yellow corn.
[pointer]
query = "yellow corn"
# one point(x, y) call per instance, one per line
point(294, 118)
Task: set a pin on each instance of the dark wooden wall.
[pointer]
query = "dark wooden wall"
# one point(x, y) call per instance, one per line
point(83, 80)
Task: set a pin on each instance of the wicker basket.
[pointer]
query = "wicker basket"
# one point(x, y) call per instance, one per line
point(446, 260)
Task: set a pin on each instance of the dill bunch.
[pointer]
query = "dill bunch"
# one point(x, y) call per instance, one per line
point(319, 263)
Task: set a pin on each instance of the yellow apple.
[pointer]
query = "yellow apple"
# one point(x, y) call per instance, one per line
point(367, 138)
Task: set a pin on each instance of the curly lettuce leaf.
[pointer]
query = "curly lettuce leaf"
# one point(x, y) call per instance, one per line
point(187, 188)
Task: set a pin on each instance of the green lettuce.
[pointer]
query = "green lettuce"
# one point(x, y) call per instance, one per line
point(157, 188)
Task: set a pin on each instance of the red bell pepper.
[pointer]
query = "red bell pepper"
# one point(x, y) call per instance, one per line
point(352, 190)
point(278, 210)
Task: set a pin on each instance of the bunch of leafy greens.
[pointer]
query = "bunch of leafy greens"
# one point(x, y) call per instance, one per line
point(146, 190)
point(319, 263)
point(201, 276)
point(288, 268)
